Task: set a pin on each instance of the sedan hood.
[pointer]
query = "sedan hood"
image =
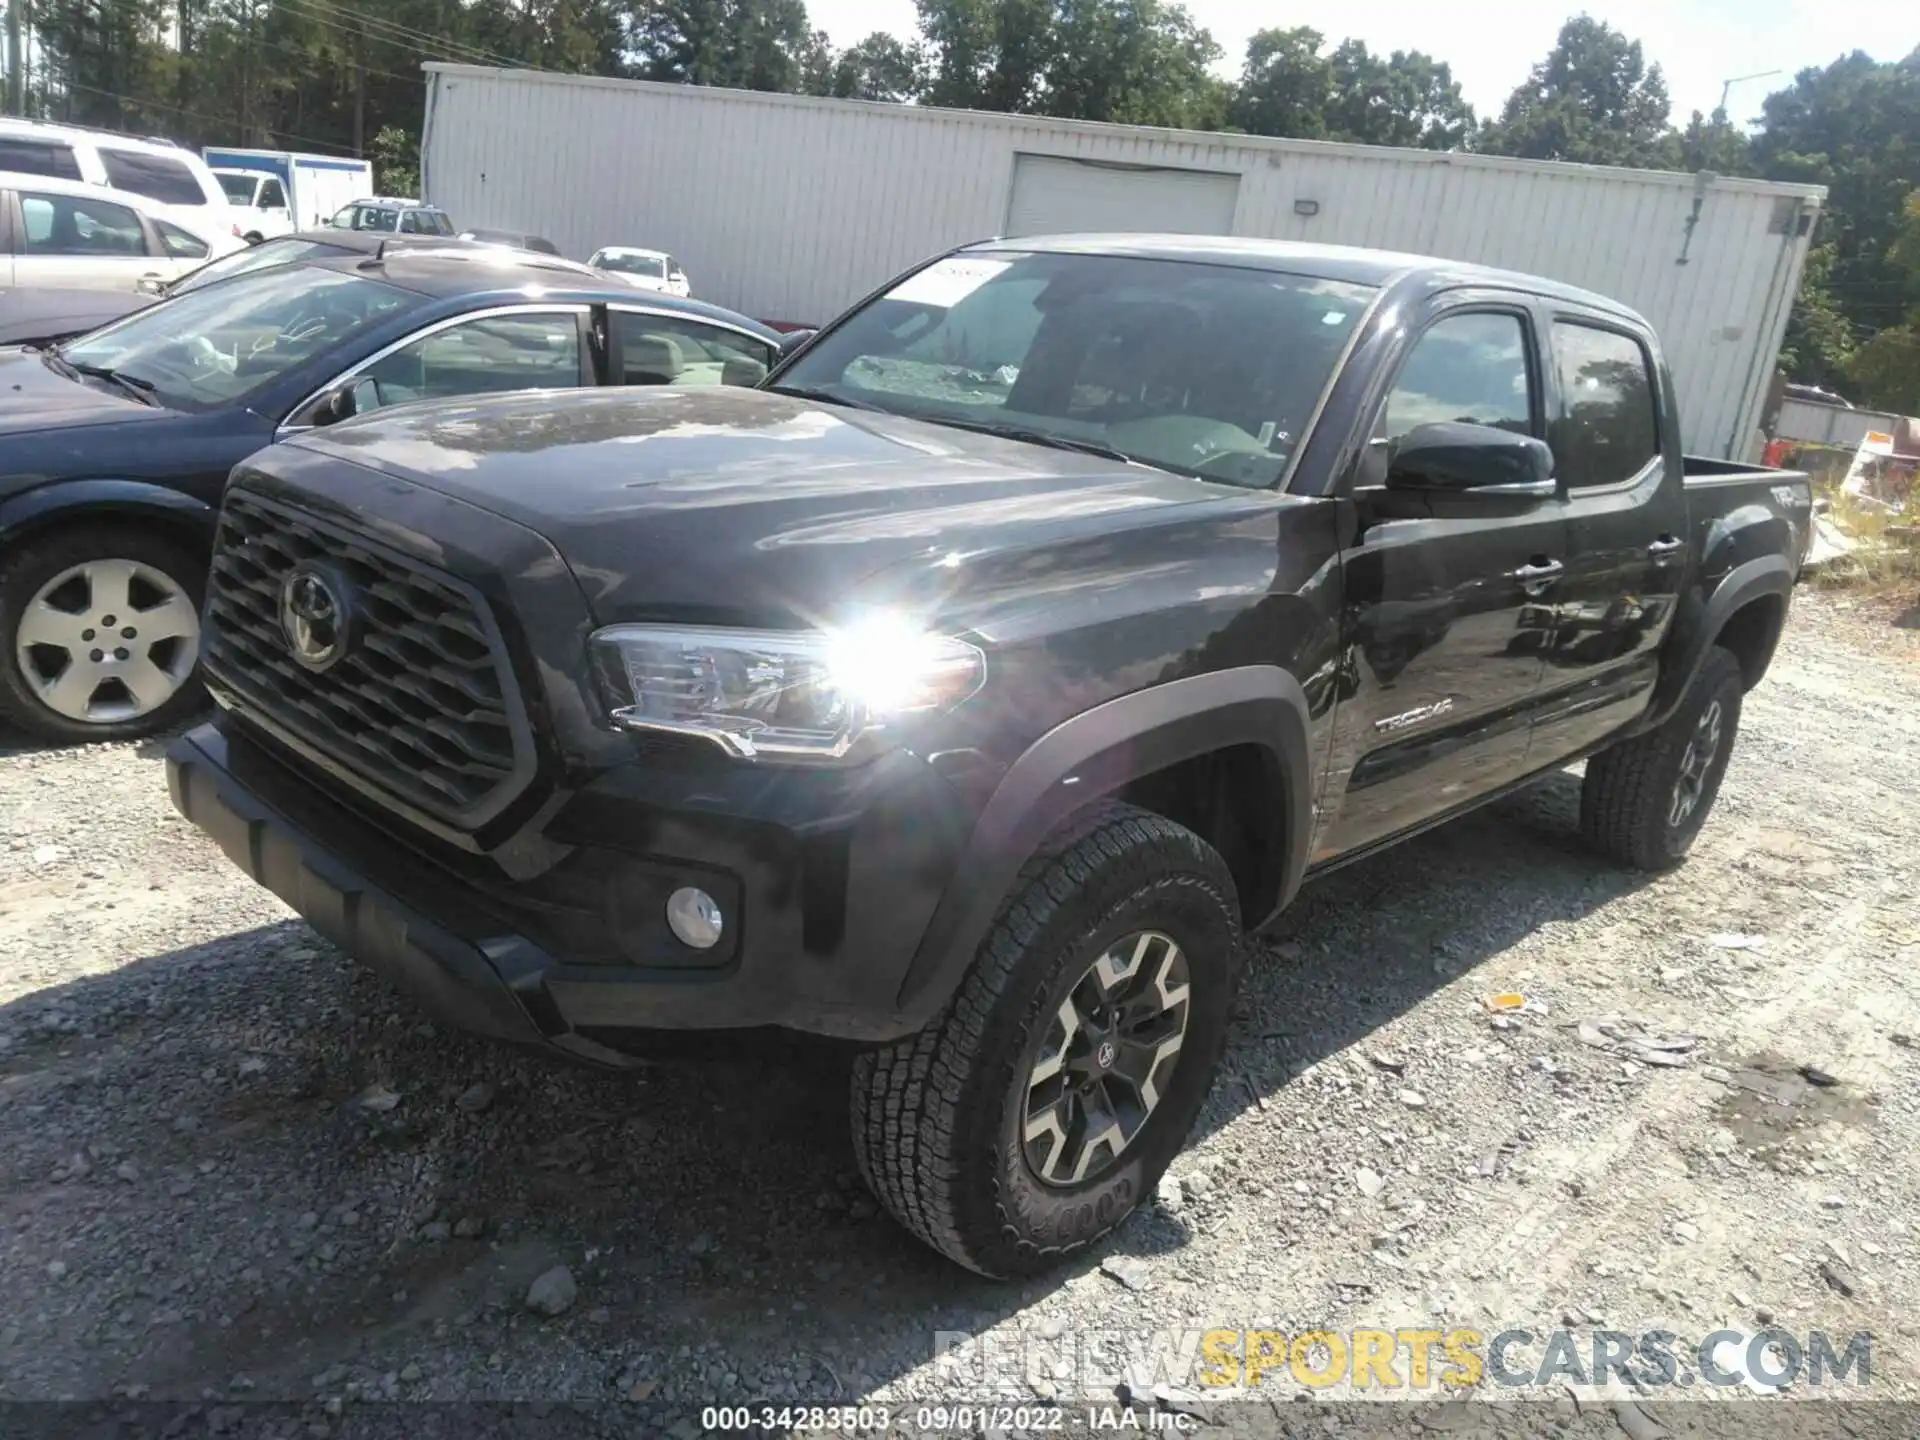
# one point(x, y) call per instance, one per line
point(743, 506)
point(34, 397)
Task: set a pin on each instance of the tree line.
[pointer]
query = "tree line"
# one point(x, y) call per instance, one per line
point(343, 76)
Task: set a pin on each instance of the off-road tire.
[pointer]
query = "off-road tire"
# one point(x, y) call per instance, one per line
point(30, 565)
point(1626, 799)
point(937, 1116)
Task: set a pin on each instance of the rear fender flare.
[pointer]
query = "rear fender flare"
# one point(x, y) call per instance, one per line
point(1695, 633)
point(1093, 755)
point(104, 500)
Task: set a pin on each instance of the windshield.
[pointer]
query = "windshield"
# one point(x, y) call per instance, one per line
point(239, 188)
point(1209, 370)
point(263, 256)
point(651, 267)
point(211, 347)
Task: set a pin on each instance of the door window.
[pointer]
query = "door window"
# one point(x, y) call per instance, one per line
point(272, 196)
point(1470, 367)
point(675, 350)
point(181, 245)
point(482, 357)
point(365, 217)
point(24, 156)
point(1609, 426)
point(155, 176)
point(69, 225)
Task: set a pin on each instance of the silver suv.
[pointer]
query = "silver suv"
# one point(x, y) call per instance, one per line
point(393, 217)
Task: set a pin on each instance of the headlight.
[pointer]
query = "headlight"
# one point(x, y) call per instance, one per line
point(789, 695)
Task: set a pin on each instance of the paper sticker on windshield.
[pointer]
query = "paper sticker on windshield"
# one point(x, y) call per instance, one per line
point(947, 282)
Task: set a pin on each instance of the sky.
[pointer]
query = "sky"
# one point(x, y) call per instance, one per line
point(1491, 44)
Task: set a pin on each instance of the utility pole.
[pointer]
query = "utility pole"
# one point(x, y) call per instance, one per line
point(1727, 85)
point(16, 61)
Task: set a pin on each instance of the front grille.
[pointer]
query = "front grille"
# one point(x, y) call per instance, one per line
point(419, 703)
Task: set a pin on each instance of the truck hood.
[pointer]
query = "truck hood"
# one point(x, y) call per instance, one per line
point(737, 506)
point(35, 397)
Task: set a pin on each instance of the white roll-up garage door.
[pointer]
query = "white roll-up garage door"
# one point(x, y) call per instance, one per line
point(1053, 195)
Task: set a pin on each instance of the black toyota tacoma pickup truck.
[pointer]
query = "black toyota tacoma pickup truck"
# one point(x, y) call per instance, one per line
point(970, 691)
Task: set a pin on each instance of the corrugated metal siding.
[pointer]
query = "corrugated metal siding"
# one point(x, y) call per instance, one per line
point(789, 208)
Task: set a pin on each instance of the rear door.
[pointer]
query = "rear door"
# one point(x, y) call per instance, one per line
point(77, 240)
point(1627, 541)
point(1446, 595)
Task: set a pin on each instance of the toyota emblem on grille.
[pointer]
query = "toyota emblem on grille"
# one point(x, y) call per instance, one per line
point(316, 615)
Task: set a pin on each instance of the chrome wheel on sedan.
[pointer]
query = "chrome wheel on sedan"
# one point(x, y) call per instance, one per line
point(100, 632)
point(107, 640)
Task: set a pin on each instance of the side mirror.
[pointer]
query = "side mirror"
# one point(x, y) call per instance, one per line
point(357, 397)
point(1456, 458)
point(791, 341)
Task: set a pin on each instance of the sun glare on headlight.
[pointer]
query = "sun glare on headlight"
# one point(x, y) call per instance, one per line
point(815, 695)
point(888, 666)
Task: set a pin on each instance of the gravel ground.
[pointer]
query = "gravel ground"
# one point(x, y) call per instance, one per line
point(234, 1167)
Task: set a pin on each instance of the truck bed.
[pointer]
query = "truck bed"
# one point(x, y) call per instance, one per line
point(1770, 505)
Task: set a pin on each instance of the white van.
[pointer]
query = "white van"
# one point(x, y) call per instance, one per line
point(67, 234)
point(157, 169)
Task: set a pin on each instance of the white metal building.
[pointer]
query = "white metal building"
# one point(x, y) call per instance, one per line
point(789, 207)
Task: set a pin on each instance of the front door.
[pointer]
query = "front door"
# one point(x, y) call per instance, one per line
point(1627, 513)
point(1447, 597)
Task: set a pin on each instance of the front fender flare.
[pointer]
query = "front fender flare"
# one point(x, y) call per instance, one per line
point(76, 499)
point(1092, 755)
point(1699, 624)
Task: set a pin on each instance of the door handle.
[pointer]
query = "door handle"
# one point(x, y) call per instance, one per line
point(1666, 545)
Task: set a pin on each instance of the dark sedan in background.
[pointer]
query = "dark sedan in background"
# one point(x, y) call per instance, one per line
point(37, 315)
point(115, 447)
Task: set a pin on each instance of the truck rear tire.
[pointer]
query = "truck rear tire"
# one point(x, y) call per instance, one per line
point(1645, 799)
point(1043, 1104)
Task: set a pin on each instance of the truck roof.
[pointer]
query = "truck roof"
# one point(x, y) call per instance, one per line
point(1329, 262)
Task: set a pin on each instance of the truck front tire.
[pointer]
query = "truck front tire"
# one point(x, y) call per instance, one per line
point(1043, 1104)
point(1644, 800)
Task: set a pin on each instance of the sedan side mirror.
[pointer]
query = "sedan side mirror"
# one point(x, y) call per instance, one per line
point(791, 341)
point(357, 397)
point(1457, 458)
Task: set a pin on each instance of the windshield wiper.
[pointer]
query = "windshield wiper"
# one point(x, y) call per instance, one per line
point(815, 392)
point(141, 390)
point(1038, 437)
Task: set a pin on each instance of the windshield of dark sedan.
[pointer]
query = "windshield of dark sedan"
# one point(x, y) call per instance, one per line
point(209, 348)
point(263, 256)
point(1211, 370)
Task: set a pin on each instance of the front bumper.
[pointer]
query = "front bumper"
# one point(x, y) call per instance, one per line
point(828, 882)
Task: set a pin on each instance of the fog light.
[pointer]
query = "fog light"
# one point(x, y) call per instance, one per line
point(695, 917)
